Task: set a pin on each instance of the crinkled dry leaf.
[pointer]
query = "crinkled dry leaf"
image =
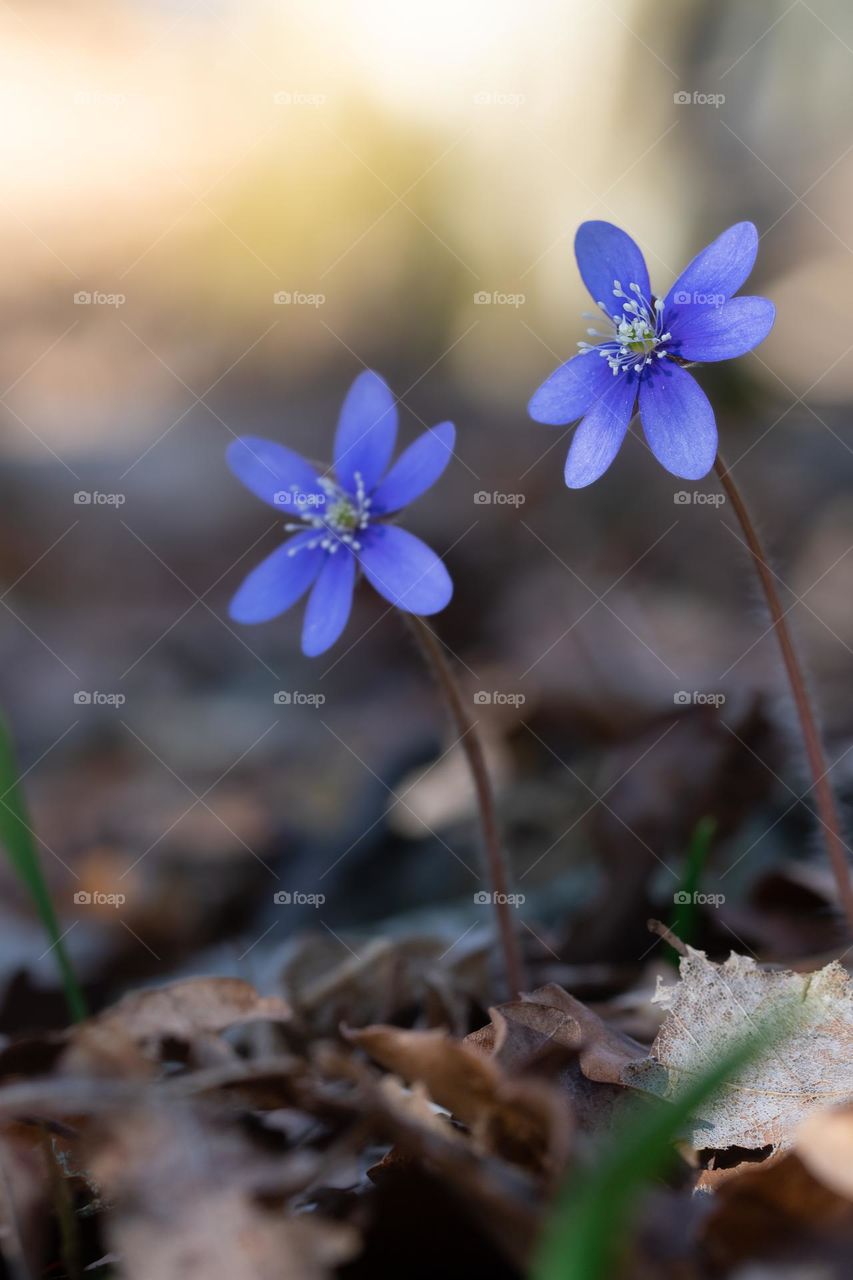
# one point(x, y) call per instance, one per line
point(522, 1121)
point(128, 1036)
point(715, 1005)
point(553, 1035)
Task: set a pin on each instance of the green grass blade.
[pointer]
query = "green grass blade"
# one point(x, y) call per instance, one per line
point(592, 1217)
point(683, 923)
point(16, 835)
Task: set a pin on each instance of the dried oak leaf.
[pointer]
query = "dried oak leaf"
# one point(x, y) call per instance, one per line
point(129, 1037)
point(525, 1122)
point(552, 1036)
point(712, 1007)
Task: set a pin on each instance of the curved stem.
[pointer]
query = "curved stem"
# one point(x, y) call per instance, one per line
point(826, 807)
point(496, 865)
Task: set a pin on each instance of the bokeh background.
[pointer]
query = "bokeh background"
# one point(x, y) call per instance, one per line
point(214, 216)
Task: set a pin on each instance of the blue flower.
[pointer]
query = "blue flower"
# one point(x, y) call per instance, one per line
point(644, 348)
point(341, 523)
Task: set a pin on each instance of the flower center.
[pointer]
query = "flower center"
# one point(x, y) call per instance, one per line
point(637, 335)
point(338, 520)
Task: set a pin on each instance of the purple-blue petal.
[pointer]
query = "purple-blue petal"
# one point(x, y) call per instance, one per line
point(404, 570)
point(275, 474)
point(721, 333)
point(601, 432)
point(329, 603)
point(713, 276)
point(279, 581)
point(367, 430)
point(416, 469)
point(606, 253)
point(678, 421)
point(571, 390)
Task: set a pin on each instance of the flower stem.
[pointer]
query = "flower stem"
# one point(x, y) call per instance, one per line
point(827, 810)
point(496, 863)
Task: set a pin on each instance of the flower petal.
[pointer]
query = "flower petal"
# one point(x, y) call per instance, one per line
point(678, 421)
point(416, 469)
point(571, 390)
point(279, 581)
point(404, 570)
point(606, 253)
point(329, 603)
point(600, 433)
point(713, 276)
point(367, 429)
point(275, 474)
point(721, 333)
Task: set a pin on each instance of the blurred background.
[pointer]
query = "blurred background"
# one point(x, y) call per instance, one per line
point(214, 216)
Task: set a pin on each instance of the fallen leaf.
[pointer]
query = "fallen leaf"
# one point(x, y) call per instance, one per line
point(523, 1121)
point(824, 1143)
point(131, 1035)
point(714, 1005)
point(192, 1199)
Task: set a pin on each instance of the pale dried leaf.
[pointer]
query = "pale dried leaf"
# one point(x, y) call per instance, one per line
point(712, 1007)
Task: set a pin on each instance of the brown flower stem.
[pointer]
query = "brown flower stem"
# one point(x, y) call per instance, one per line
point(496, 864)
point(826, 807)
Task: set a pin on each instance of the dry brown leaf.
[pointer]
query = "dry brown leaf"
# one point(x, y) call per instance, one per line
point(524, 1122)
point(127, 1038)
point(825, 1146)
point(193, 1200)
point(777, 1210)
point(712, 1007)
point(553, 1035)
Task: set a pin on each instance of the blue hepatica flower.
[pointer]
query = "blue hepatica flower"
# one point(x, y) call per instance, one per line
point(644, 347)
point(341, 522)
